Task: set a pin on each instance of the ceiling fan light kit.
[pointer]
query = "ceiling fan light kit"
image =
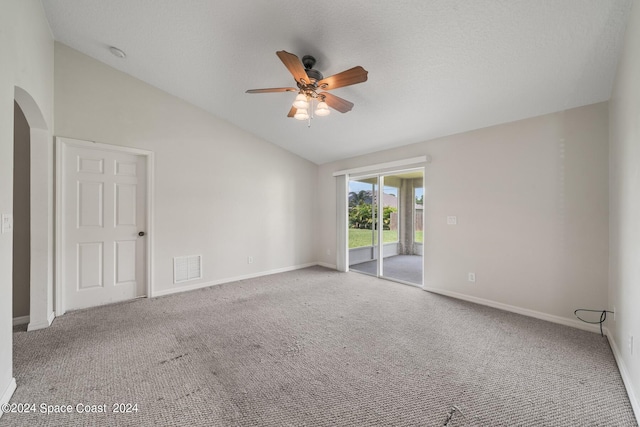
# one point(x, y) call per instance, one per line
point(322, 109)
point(301, 101)
point(310, 82)
point(301, 114)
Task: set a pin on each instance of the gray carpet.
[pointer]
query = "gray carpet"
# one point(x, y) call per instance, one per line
point(317, 348)
point(407, 268)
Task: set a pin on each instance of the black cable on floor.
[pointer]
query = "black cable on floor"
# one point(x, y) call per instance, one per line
point(603, 317)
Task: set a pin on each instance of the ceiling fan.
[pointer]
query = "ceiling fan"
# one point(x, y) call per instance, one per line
point(310, 82)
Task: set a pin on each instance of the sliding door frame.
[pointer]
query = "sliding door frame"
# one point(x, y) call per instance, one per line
point(379, 175)
point(342, 195)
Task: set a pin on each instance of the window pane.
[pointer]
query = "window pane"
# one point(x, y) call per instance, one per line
point(390, 211)
point(418, 220)
point(362, 213)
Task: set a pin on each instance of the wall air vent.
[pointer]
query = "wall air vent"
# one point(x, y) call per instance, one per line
point(187, 268)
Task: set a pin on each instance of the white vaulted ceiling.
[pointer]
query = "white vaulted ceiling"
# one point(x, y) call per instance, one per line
point(436, 67)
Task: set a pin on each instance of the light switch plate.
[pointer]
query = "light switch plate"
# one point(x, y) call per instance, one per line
point(7, 223)
point(452, 220)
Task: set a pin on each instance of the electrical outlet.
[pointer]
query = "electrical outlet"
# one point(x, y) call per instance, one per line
point(328, 252)
point(250, 260)
point(452, 220)
point(631, 345)
point(472, 277)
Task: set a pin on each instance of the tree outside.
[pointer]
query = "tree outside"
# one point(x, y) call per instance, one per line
point(361, 220)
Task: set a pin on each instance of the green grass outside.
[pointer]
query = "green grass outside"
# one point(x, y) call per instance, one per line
point(358, 237)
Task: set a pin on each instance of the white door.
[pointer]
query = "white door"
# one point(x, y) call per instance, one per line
point(104, 212)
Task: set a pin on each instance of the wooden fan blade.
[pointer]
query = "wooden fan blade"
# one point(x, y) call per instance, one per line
point(294, 66)
point(349, 77)
point(273, 89)
point(292, 112)
point(336, 102)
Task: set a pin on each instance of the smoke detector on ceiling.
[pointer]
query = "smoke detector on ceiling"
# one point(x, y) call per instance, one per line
point(117, 52)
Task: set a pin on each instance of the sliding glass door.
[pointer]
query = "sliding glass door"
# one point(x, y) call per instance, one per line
point(387, 208)
point(363, 225)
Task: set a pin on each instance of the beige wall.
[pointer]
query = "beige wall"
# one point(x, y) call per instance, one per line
point(21, 214)
point(624, 288)
point(219, 191)
point(531, 201)
point(27, 62)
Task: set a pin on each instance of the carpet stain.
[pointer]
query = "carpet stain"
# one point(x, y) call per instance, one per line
point(173, 359)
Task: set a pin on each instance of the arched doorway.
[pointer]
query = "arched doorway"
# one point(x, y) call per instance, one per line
point(40, 190)
point(21, 217)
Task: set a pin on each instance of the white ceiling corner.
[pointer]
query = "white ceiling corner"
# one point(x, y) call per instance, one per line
point(436, 67)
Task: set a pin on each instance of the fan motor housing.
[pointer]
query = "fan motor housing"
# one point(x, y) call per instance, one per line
point(309, 61)
point(314, 74)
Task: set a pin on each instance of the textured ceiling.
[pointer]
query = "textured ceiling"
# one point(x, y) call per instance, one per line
point(436, 67)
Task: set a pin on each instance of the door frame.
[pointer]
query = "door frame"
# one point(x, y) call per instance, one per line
point(380, 175)
point(41, 308)
point(60, 146)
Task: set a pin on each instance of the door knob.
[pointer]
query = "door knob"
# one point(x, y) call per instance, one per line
point(141, 233)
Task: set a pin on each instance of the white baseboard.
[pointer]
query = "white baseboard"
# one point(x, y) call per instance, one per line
point(8, 392)
point(41, 325)
point(574, 323)
point(229, 279)
point(624, 373)
point(21, 320)
point(327, 265)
